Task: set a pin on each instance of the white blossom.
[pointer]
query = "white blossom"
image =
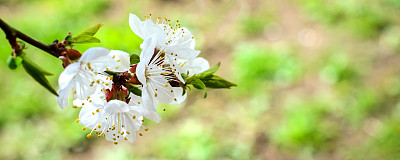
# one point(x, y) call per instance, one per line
point(83, 76)
point(176, 41)
point(115, 120)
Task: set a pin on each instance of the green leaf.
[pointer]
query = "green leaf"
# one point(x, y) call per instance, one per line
point(14, 62)
point(197, 83)
point(209, 71)
point(38, 75)
point(90, 31)
point(37, 67)
point(214, 81)
point(86, 36)
point(184, 76)
point(135, 59)
point(85, 39)
point(134, 89)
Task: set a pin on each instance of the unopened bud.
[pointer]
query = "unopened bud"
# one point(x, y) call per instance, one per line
point(73, 54)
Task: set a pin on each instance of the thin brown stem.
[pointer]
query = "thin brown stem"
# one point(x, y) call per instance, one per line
point(12, 34)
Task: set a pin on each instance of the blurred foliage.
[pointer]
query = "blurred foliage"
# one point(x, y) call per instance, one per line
point(316, 80)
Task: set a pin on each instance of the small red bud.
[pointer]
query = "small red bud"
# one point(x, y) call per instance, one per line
point(133, 68)
point(108, 94)
point(73, 54)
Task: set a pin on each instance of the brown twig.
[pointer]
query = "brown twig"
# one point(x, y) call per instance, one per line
point(12, 34)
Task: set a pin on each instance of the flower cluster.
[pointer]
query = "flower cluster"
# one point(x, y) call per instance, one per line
point(117, 91)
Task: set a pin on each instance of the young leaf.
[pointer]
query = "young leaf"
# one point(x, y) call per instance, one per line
point(37, 67)
point(86, 36)
point(90, 31)
point(38, 75)
point(184, 76)
point(14, 62)
point(135, 90)
point(86, 39)
point(214, 81)
point(197, 83)
point(209, 71)
point(135, 59)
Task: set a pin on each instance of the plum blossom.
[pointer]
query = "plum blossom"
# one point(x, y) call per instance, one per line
point(83, 76)
point(177, 42)
point(115, 120)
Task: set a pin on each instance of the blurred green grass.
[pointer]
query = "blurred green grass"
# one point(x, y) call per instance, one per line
point(316, 80)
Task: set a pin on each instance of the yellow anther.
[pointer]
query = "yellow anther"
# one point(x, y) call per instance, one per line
point(155, 94)
point(74, 106)
point(77, 120)
point(99, 126)
point(113, 56)
point(166, 85)
point(138, 102)
point(89, 135)
point(83, 104)
point(98, 135)
point(140, 134)
point(114, 139)
point(116, 67)
point(97, 110)
point(115, 143)
point(147, 129)
point(118, 60)
point(162, 51)
point(74, 92)
point(104, 135)
point(106, 84)
point(93, 113)
point(90, 100)
point(111, 77)
point(134, 116)
point(126, 138)
point(127, 132)
point(122, 133)
point(113, 125)
point(83, 128)
point(98, 81)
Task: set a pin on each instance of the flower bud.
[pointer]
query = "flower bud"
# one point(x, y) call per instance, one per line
point(72, 54)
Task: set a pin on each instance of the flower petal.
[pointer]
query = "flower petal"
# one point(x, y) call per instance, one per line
point(182, 52)
point(63, 95)
point(121, 61)
point(67, 76)
point(178, 95)
point(196, 66)
point(143, 29)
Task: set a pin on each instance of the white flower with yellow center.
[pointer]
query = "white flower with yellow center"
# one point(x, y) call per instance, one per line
point(83, 76)
point(115, 120)
point(189, 67)
point(177, 42)
point(156, 75)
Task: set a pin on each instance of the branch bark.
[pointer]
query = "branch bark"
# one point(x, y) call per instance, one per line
point(12, 34)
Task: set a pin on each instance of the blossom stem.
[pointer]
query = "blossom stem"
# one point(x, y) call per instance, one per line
point(12, 34)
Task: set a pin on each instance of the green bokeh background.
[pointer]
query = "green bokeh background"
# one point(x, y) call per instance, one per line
point(316, 80)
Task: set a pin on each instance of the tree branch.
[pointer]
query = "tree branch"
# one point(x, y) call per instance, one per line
point(12, 34)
